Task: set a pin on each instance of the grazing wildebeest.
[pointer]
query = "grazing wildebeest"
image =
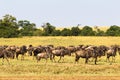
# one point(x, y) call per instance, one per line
point(60, 52)
point(22, 50)
point(87, 52)
point(112, 52)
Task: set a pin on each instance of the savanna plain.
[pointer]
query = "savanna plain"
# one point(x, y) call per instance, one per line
point(30, 69)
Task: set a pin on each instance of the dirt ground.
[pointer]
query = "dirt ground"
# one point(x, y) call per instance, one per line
point(60, 78)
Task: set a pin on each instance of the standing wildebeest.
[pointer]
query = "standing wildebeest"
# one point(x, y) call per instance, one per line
point(38, 50)
point(5, 53)
point(22, 50)
point(100, 50)
point(60, 52)
point(112, 52)
point(12, 50)
point(30, 50)
point(119, 50)
point(87, 52)
point(45, 55)
point(72, 49)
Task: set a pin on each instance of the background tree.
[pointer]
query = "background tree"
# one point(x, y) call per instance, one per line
point(56, 33)
point(99, 32)
point(38, 32)
point(66, 32)
point(8, 27)
point(48, 29)
point(26, 28)
point(75, 31)
point(113, 31)
point(87, 31)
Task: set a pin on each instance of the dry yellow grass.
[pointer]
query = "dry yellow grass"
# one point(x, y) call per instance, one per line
point(30, 69)
point(63, 41)
point(103, 28)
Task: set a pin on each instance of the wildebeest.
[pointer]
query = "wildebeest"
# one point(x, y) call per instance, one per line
point(21, 50)
point(38, 50)
point(30, 50)
point(45, 55)
point(119, 50)
point(60, 52)
point(112, 52)
point(12, 50)
point(5, 53)
point(72, 49)
point(87, 52)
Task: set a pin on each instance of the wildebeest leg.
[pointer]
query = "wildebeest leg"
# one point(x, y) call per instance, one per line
point(76, 59)
point(51, 58)
point(22, 57)
point(95, 60)
point(86, 60)
point(60, 59)
point(30, 53)
point(46, 60)
point(112, 59)
point(17, 55)
point(38, 59)
point(6, 59)
point(107, 59)
point(63, 58)
point(54, 58)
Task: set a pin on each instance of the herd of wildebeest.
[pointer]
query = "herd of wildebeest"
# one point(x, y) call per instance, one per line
point(49, 52)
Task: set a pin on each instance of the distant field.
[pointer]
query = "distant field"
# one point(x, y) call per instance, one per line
point(63, 70)
point(103, 28)
point(61, 41)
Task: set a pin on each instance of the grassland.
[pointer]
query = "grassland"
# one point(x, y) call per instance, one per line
point(60, 41)
point(64, 70)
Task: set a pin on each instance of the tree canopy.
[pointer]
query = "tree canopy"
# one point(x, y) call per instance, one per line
point(10, 27)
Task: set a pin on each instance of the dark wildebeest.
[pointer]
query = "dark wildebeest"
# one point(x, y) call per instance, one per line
point(100, 51)
point(60, 52)
point(22, 50)
point(112, 52)
point(87, 52)
point(38, 50)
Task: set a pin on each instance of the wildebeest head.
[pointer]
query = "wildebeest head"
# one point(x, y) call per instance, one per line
point(23, 49)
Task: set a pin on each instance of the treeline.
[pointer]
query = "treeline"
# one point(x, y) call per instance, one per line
point(10, 27)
